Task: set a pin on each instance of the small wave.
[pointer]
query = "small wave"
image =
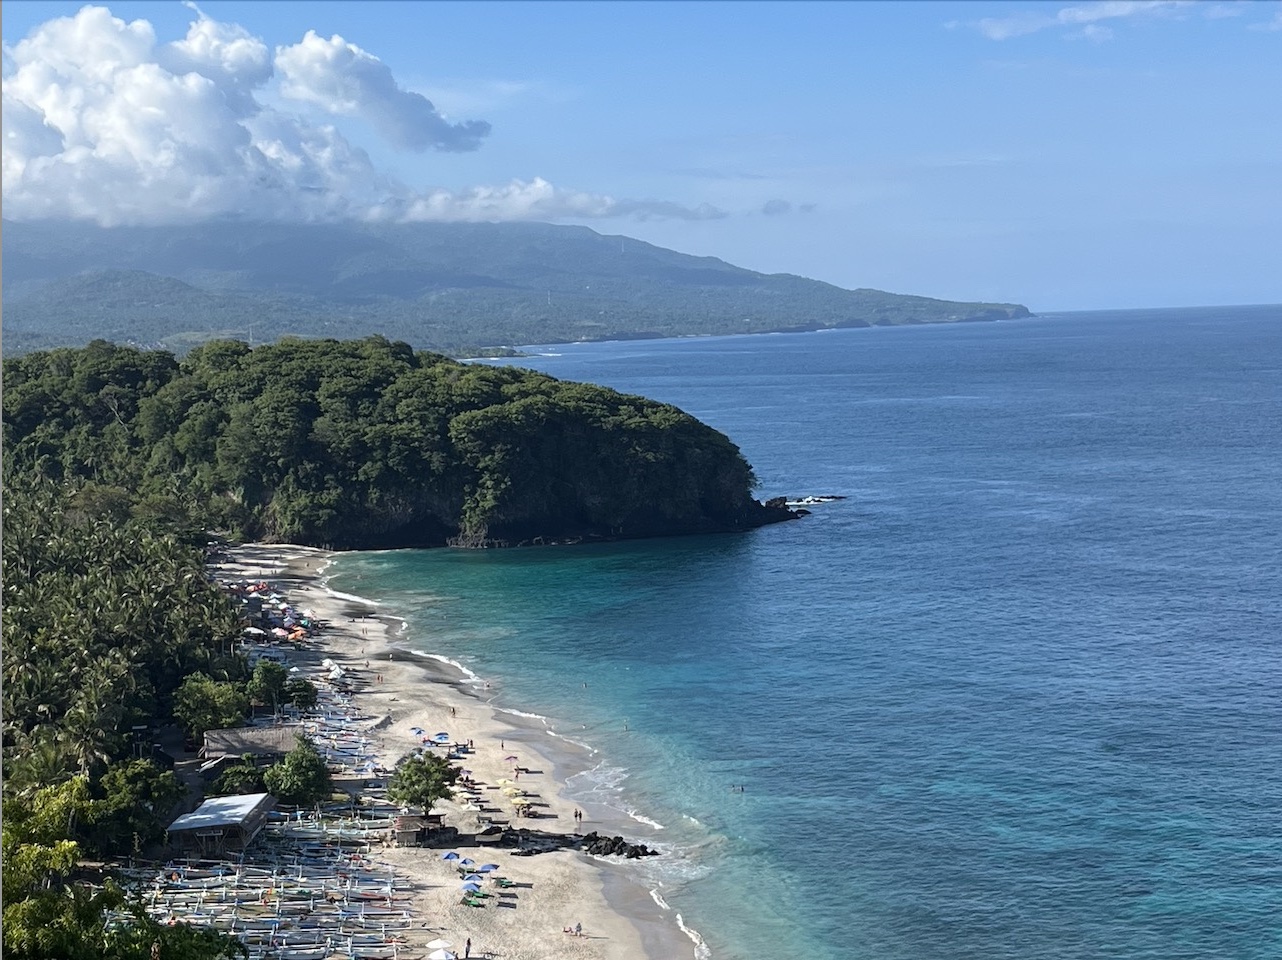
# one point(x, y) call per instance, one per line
point(695, 820)
point(639, 818)
point(605, 778)
point(522, 713)
point(338, 594)
point(578, 743)
point(658, 898)
point(471, 676)
point(701, 950)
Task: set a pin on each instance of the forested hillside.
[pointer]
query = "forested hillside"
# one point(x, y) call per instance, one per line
point(370, 444)
point(106, 614)
point(441, 286)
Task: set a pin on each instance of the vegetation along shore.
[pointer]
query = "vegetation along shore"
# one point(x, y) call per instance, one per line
point(131, 639)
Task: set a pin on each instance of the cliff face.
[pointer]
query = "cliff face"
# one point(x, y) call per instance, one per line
point(367, 444)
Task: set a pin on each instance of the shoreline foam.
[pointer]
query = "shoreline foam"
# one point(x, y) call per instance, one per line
point(422, 689)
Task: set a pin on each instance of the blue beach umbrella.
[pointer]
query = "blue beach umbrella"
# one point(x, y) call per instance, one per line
point(487, 867)
point(473, 878)
point(441, 736)
point(471, 887)
point(417, 731)
point(449, 856)
point(467, 862)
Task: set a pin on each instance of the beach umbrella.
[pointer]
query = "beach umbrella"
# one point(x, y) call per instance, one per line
point(505, 782)
point(510, 757)
point(441, 954)
point(449, 856)
point(417, 731)
point(438, 944)
point(473, 878)
point(486, 868)
point(472, 886)
point(467, 862)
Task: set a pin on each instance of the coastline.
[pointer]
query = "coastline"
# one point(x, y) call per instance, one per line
point(619, 917)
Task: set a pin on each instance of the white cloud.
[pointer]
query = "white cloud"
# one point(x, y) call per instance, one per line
point(1085, 15)
point(103, 122)
point(535, 200)
point(1097, 33)
point(344, 80)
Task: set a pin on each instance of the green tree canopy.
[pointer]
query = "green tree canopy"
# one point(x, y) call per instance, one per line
point(301, 693)
point(367, 443)
point(302, 777)
point(243, 777)
point(267, 684)
point(202, 704)
point(419, 781)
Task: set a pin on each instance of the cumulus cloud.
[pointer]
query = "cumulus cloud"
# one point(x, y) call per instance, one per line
point(1085, 15)
point(103, 122)
point(343, 79)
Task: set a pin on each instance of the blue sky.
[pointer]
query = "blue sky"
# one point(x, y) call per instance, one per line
point(1062, 155)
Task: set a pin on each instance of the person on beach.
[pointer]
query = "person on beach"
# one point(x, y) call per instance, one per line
point(578, 929)
point(467, 948)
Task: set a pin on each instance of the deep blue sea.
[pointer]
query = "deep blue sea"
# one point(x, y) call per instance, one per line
point(1019, 696)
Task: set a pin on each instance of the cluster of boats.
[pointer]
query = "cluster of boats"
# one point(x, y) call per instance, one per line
point(308, 887)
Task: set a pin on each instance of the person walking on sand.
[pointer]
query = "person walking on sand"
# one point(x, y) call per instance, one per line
point(467, 948)
point(578, 929)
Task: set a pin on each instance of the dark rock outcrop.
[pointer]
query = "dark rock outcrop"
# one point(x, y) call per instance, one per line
point(528, 843)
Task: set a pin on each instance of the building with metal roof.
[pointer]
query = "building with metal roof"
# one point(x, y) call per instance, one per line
point(223, 822)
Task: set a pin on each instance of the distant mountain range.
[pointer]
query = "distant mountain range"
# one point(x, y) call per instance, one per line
point(455, 287)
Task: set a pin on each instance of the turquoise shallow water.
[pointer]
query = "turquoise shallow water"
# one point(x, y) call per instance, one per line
point(1017, 697)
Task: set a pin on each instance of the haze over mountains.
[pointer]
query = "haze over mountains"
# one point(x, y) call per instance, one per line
point(453, 287)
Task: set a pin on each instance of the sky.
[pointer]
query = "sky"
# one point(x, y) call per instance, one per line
point(1067, 156)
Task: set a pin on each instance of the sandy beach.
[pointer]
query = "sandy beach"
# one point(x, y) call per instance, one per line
point(399, 691)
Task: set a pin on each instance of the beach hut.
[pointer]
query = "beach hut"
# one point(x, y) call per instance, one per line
point(408, 831)
point(223, 823)
point(271, 741)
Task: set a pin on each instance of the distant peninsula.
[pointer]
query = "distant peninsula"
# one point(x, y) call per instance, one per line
point(464, 289)
point(367, 444)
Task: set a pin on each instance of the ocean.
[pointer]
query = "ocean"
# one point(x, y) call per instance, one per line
point(1018, 696)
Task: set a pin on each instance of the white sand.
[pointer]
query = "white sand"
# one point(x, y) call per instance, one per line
point(556, 889)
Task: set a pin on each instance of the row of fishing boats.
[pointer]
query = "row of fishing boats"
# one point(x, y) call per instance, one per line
point(309, 886)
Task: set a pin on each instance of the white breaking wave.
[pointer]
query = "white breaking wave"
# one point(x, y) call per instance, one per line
point(639, 818)
point(701, 950)
point(472, 676)
point(350, 596)
point(658, 898)
point(521, 713)
point(578, 743)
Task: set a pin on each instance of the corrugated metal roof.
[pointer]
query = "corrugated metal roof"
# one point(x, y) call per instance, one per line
point(222, 812)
